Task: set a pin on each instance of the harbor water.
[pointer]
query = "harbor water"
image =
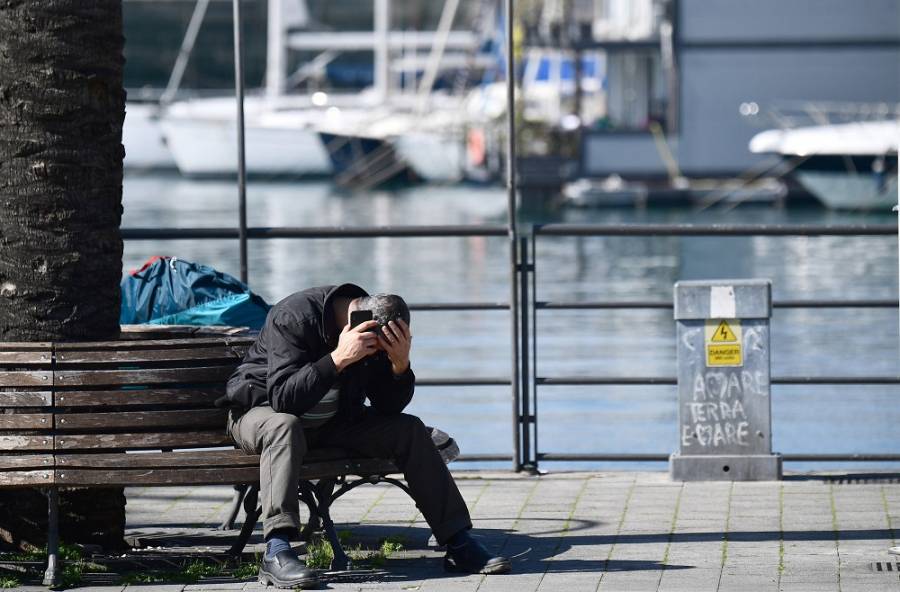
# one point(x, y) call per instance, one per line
point(632, 343)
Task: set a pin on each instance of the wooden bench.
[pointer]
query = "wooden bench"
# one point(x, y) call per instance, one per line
point(139, 412)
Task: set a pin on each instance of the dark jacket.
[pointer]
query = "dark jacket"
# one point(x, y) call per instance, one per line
point(289, 367)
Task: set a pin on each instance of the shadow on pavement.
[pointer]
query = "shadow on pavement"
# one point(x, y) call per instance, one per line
point(532, 553)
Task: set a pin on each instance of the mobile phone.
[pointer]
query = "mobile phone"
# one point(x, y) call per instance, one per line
point(359, 316)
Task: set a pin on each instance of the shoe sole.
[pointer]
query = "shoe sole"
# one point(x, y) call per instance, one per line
point(497, 568)
point(304, 584)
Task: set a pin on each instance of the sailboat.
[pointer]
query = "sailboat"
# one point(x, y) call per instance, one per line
point(282, 129)
point(145, 147)
point(415, 135)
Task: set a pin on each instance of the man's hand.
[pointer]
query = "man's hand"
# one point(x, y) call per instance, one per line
point(355, 344)
point(396, 341)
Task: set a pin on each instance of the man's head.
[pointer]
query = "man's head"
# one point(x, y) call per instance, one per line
point(384, 307)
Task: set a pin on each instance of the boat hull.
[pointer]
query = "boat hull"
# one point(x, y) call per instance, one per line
point(208, 148)
point(842, 190)
point(145, 147)
point(363, 162)
point(436, 158)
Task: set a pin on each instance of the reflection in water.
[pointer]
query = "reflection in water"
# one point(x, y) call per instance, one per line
point(584, 343)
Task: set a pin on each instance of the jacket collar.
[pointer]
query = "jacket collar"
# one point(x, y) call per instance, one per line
point(328, 322)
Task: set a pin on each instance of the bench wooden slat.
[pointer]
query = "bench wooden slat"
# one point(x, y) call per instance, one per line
point(26, 346)
point(206, 458)
point(26, 478)
point(194, 355)
point(188, 396)
point(26, 378)
point(188, 331)
point(31, 358)
point(137, 441)
point(138, 420)
point(152, 344)
point(26, 443)
point(25, 461)
point(26, 421)
point(144, 377)
point(225, 458)
point(158, 477)
point(26, 399)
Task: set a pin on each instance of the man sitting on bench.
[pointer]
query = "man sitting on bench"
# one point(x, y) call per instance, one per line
point(302, 385)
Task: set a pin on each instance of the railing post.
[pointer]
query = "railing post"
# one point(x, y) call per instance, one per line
point(527, 412)
point(512, 213)
point(897, 209)
point(241, 164)
point(532, 380)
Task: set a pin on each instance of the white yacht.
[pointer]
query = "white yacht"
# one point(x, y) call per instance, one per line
point(845, 165)
point(280, 139)
point(145, 147)
point(281, 129)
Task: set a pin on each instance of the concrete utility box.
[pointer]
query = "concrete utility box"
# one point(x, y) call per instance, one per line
point(724, 407)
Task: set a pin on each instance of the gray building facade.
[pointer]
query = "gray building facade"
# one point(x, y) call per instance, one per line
point(763, 53)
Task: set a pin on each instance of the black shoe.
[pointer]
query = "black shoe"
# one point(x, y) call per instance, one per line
point(285, 570)
point(472, 557)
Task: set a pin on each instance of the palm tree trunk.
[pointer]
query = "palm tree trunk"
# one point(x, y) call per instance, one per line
point(61, 110)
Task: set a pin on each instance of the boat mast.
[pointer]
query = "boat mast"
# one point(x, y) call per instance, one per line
point(381, 71)
point(437, 53)
point(276, 50)
point(282, 15)
point(184, 53)
point(241, 164)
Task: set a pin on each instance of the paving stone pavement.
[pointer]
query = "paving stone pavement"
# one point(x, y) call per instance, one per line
point(592, 532)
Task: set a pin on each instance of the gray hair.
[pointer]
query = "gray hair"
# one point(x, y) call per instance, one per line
point(384, 307)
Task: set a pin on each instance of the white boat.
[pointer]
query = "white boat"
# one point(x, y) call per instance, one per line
point(436, 156)
point(142, 136)
point(395, 138)
point(845, 165)
point(202, 137)
point(281, 130)
point(145, 147)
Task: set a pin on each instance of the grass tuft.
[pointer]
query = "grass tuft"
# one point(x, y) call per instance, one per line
point(246, 569)
point(319, 553)
point(390, 545)
point(75, 566)
point(189, 573)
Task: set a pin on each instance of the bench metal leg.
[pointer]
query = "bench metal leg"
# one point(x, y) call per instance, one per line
point(53, 573)
point(375, 479)
point(239, 492)
point(251, 517)
point(319, 497)
point(306, 491)
point(312, 525)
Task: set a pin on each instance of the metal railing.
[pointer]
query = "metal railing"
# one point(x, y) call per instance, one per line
point(528, 415)
point(524, 380)
point(460, 231)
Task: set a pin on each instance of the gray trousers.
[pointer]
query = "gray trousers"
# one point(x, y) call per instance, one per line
point(282, 442)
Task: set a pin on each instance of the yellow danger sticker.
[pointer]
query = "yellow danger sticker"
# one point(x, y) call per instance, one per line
point(722, 339)
point(724, 333)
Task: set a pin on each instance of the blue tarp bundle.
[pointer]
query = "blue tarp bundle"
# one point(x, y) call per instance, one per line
point(170, 291)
